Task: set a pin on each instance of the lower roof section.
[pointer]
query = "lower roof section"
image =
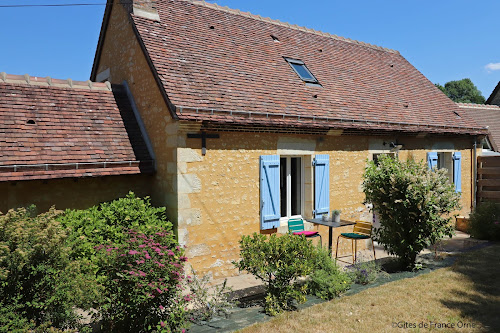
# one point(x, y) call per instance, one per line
point(62, 128)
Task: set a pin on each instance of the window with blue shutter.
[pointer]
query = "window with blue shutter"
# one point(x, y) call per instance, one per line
point(269, 191)
point(432, 160)
point(457, 171)
point(321, 185)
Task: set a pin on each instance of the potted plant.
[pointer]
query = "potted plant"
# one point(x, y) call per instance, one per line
point(336, 215)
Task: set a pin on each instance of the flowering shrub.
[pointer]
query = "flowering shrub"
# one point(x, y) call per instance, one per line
point(364, 272)
point(144, 284)
point(39, 284)
point(413, 203)
point(484, 222)
point(327, 281)
point(278, 262)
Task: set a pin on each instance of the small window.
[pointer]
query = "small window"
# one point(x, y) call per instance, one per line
point(300, 68)
point(291, 186)
point(445, 161)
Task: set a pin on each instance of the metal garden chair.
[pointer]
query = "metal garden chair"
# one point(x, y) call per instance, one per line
point(296, 227)
point(362, 230)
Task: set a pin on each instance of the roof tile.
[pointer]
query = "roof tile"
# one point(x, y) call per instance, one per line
point(487, 116)
point(48, 129)
point(238, 66)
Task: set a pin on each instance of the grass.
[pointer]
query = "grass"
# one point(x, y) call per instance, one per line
point(467, 293)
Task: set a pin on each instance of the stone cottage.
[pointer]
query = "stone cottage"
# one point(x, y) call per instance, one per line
point(251, 121)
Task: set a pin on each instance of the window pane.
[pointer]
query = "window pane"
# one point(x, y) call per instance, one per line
point(296, 189)
point(303, 72)
point(283, 186)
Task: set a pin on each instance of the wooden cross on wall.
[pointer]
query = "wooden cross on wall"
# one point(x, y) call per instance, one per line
point(203, 136)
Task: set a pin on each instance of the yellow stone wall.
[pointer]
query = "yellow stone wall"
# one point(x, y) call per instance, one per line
point(221, 189)
point(69, 193)
point(123, 56)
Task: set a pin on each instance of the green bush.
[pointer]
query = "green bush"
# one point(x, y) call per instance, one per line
point(39, 284)
point(414, 205)
point(327, 281)
point(109, 222)
point(110, 239)
point(144, 284)
point(484, 221)
point(278, 262)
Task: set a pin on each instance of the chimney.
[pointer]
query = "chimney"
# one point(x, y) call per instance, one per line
point(143, 8)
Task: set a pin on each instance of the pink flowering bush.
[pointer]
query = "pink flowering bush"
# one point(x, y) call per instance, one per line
point(144, 284)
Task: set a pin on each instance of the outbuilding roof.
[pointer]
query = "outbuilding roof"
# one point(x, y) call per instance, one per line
point(223, 66)
point(487, 116)
point(61, 128)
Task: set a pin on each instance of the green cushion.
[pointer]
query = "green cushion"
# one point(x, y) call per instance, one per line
point(354, 235)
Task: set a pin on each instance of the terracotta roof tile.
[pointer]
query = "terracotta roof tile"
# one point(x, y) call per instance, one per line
point(238, 66)
point(486, 116)
point(45, 130)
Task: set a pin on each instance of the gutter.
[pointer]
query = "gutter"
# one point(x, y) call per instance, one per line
point(335, 120)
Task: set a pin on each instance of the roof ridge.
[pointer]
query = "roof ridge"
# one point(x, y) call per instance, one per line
point(50, 82)
point(477, 106)
point(288, 25)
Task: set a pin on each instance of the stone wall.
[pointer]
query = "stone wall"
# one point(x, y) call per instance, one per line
point(71, 193)
point(219, 193)
point(123, 59)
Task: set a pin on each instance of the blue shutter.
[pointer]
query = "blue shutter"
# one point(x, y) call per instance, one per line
point(457, 171)
point(432, 160)
point(269, 191)
point(321, 185)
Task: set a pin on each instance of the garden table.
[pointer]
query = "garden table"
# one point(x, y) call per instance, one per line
point(330, 224)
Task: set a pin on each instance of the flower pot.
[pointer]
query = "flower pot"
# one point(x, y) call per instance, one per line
point(462, 223)
point(336, 218)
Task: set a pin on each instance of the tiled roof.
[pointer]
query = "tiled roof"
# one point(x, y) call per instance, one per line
point(487, 116)
point(219, 60)
point(62, 128)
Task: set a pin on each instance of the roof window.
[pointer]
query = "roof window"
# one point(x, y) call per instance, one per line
point(300, 68)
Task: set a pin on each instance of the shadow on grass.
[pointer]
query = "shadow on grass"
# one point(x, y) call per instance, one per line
point(481, 302)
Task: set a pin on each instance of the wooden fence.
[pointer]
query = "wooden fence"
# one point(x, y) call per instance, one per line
point(488, 178)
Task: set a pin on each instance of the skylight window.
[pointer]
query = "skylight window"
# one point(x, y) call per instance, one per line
point(300, 68)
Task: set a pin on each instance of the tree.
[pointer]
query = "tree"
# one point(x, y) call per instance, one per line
point(462, 91)
point(414, 205)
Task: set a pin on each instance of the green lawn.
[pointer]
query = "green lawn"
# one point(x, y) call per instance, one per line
point(462, 298)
